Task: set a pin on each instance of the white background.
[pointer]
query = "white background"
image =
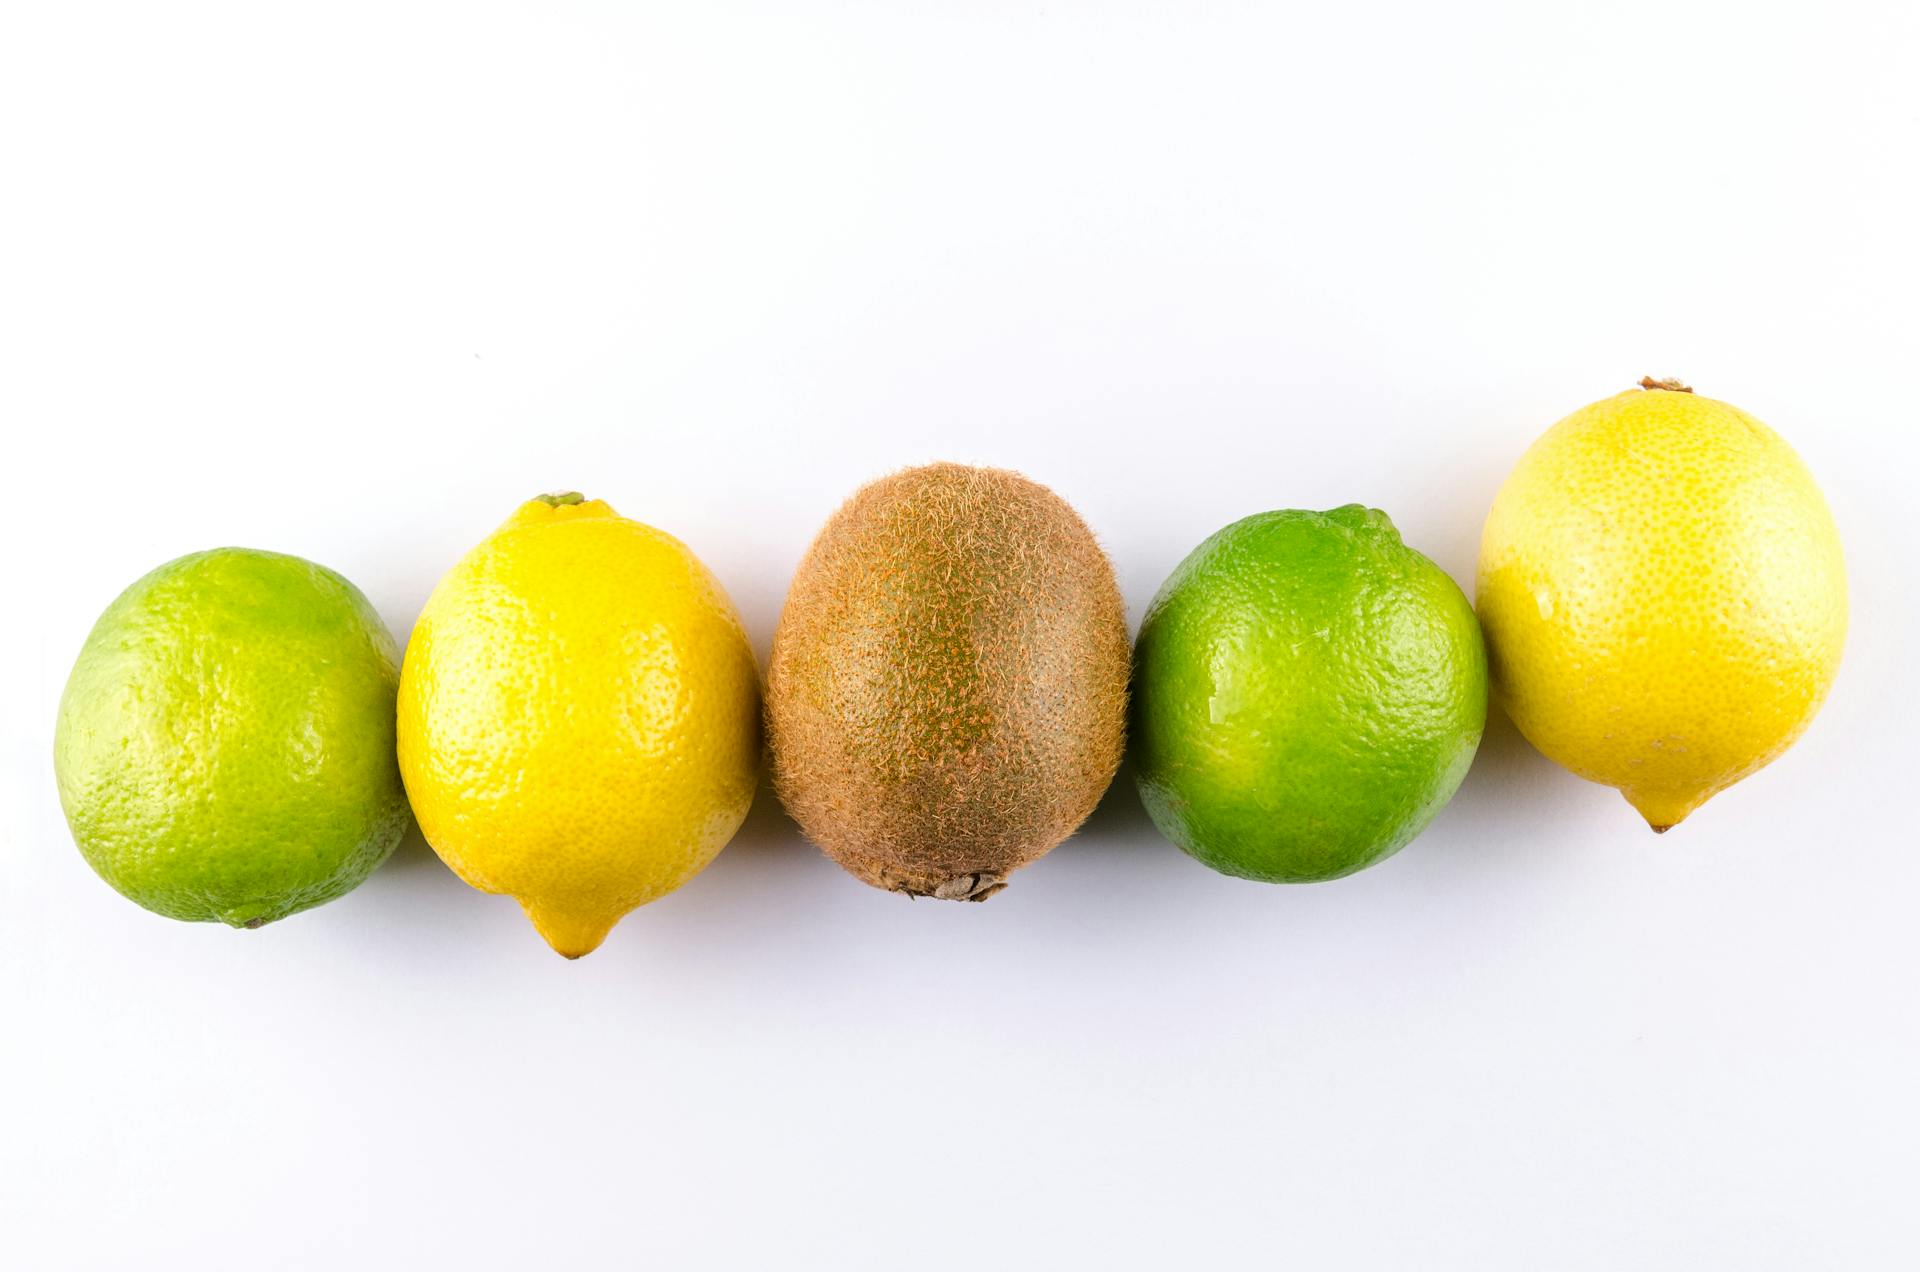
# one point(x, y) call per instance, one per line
point(350, 281)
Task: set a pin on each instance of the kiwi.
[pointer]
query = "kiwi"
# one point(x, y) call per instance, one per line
point(947, 698)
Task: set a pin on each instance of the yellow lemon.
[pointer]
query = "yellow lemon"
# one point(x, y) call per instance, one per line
point(579, 717)
point(1663, 596)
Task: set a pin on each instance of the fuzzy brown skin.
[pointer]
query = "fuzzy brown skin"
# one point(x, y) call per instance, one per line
point(947, 699)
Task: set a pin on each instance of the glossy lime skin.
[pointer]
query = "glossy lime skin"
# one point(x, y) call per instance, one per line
point(1308, 692)
point(225, 746)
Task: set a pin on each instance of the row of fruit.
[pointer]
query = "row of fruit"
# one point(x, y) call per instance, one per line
point(579, 721)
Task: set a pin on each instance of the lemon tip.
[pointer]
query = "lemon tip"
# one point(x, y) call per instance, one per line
point(571, 935)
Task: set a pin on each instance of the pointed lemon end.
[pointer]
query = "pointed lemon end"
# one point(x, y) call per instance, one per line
point(571, 934)
point(1663, 809)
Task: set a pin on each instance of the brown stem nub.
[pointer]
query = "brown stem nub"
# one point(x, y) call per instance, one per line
point(1669, 385)
point(967, 887)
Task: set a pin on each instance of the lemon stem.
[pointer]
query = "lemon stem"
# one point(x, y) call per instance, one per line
point(561, 498)
point(1668, 385)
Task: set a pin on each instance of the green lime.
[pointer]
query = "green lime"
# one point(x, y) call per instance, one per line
point(1308, 692)
point(225, 747)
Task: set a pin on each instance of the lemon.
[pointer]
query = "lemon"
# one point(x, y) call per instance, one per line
point(579, 717)
point(1663, 596)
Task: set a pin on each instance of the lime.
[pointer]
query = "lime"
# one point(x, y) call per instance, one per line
point(1308, 693)
point(225, 746)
